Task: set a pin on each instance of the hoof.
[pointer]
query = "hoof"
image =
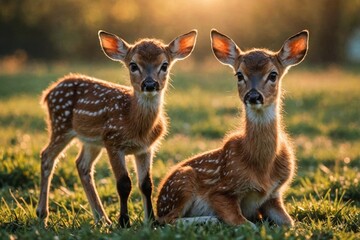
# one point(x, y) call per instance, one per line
point(124, 221)
point(103, 221)
point(156, 223)
point(43, 216)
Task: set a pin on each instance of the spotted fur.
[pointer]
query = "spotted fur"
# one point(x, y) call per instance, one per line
point(123, 120)
point(245, 178)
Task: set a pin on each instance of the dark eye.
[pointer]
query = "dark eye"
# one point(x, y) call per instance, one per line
point(164, 67)
point(133, 67)
point(240, 76)
point(272, 76)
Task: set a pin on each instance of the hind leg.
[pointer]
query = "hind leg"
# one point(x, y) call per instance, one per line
point(176, 195)
point(85, 166)
point(48, 156)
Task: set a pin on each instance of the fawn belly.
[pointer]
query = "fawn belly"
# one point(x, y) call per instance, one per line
point(91, 140)
point(129, 146)
point(198, 207)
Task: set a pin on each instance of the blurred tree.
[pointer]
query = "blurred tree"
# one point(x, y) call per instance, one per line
point(67, 29)
point(338, 21)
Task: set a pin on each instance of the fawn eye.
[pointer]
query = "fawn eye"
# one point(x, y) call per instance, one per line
point(164, 67)
point(272, 76)
point(240, 76)
point(133, 67)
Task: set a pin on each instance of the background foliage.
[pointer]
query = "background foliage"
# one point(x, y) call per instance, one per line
point(66, 29)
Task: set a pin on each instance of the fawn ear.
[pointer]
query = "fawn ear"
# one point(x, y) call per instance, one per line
point(224, 48)
point(114, 47)
point(182, 46)
point(294, 49)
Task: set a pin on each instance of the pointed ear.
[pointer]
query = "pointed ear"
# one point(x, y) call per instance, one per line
point(224, 48)
point(114, 47)
point(294, 49)
point(182, 46)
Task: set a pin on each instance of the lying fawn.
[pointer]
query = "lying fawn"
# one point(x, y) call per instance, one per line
point(124, 120)
point(245, 178)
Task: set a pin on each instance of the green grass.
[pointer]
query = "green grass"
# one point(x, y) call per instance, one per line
point(321, 112)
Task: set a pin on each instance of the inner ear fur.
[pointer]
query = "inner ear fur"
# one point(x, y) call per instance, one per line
point(294, 49)
point(182, 46)
point(114, 47)
point(224, 48)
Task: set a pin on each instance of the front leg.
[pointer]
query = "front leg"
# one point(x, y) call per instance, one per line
point(143, 167)
point(227, 208)
point(274, 210)
point(123, 182)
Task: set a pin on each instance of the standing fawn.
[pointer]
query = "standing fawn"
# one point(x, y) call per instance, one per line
point(245, 178)
point(124, 120)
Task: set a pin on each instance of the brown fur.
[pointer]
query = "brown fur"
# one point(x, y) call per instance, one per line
point(124, 120)
point(245, 178)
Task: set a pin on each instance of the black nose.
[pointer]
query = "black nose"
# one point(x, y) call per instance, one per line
point(149, 85)
point(253, 97)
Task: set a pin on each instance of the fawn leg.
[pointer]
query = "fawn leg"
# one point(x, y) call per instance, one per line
point(227, 208)
point(274, 210)
point(85, 165)
point(176, 195)
point(123, 182)
point(48, 156)
point(143, 168)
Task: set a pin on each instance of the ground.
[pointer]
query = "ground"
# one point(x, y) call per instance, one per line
point(321, 113)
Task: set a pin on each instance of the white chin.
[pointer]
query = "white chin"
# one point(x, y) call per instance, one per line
point(257, 106)
point(150, 94)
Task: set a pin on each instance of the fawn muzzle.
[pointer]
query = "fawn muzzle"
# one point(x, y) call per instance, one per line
point(149, 85)
point(253, 97)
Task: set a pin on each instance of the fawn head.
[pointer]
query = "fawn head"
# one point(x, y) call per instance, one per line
point(148, 60)
point(259, 71)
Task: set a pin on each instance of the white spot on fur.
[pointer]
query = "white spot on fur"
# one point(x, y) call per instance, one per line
point(216, 171)
point(211, 181)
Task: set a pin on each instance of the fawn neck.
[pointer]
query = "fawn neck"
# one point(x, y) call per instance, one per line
point(261, 133)
point(145, 110)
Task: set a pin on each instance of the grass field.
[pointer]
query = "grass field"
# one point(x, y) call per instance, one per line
point(321, 112)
